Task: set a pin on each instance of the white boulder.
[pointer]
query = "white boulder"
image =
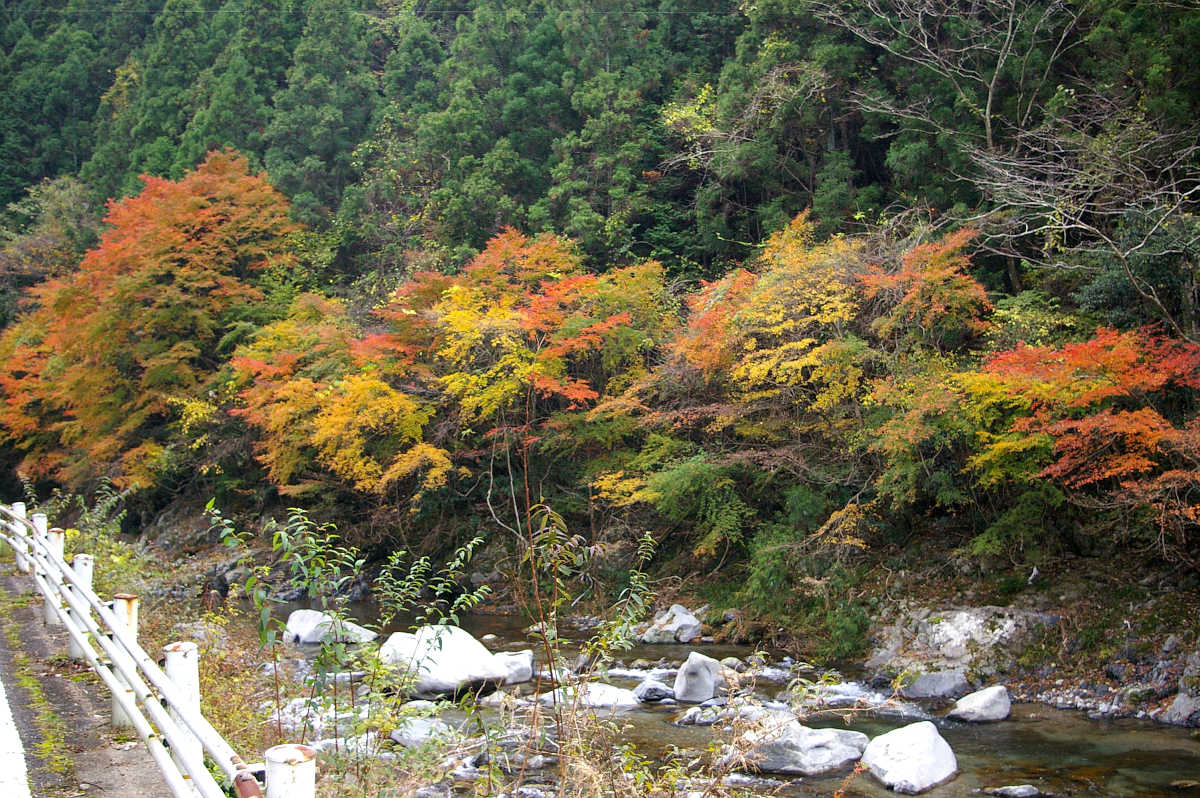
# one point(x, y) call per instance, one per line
point(311, 627)
point(592, 694)
point(911, 759)
point(650, 690)
point(442, 660)
point(413, 732)
point(696, 680)
point(793, 748)
point(677, 624)
point(937, 684)
point(983, 706)
point(519, 665)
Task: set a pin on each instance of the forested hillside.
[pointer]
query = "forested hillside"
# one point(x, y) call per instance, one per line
point(784, 283)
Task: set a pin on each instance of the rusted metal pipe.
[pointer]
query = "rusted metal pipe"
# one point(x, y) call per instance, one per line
point(246, 786)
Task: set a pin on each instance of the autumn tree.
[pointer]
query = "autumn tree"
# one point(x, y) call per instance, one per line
point(1118, 416)
point(103, 355)
point(522, 341)
point(328, 417)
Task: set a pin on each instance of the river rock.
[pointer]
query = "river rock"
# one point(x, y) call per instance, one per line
point(519, 665)
point(911, 759)
point(983, 706)
point(677, 624)
point(413, 732)
point(1014, 791)
point(592, 694)
point(443, 660)
point(310, 627)
point(982, 640)
point(651, 690)
point(937, 684)
point(696, 680)
point(798, 750)
point(1185, 709)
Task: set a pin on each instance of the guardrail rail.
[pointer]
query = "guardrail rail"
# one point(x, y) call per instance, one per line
point(161, 704)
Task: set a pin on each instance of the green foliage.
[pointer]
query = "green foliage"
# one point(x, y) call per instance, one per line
point(703, 494)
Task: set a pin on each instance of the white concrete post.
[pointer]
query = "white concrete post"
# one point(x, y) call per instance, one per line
point(182, 666)
point(18, 529)
point(291, 771)
point(57, 541)
point(125, 607)
point(84, 566)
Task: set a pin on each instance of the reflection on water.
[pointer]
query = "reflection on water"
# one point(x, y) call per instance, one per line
point(1060, 752)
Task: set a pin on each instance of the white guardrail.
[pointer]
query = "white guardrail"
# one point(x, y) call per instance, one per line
point(161, 706)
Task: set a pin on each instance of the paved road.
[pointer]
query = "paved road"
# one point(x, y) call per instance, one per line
point(14, 779)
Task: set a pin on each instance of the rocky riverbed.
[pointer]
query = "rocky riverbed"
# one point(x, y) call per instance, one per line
point(790, 729)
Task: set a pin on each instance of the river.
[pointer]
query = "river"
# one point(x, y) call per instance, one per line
point(1061, 752)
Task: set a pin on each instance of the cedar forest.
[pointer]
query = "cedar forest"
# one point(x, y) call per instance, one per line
point(789, 284)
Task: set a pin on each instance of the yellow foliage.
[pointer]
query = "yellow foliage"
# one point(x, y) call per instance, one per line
point(425, 457)
point(803, 298)
point(360, 424)
point(621, 489)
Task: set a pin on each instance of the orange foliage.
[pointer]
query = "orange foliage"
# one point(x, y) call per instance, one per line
point(932, 297)
point(1109, 403)
point(103, 353)
point(706, 342)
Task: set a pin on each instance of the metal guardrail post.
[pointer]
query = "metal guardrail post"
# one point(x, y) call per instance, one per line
point(182, 666)
point(291, 771)
point(125, 608)
point(21, 545)
point(84, 567)
point(56, 539)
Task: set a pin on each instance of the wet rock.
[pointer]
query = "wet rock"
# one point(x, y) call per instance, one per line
point(205, 634)
point(798, 750)
point(749, 711)
point(288, 594)
point(592, 694)
point(479, 578)
point(696, 680)
point(518, 664)
point(310, 627)
point(651, 690)
point(317, 718)
point(1185, 709)
point(911, 759)
point(443, 660)
point(1014, 791)
point(983, 706)
point(490, 640)
point(937, 684)
point(433, 791)
point(415, 732)
point(677, 624)
point(366, 744)
point(983, 640)
point(852, 695)
point(734, 664)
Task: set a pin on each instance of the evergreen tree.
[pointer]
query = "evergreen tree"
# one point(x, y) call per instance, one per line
point(323, 112)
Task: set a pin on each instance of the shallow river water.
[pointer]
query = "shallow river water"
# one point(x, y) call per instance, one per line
point(1060, 752)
